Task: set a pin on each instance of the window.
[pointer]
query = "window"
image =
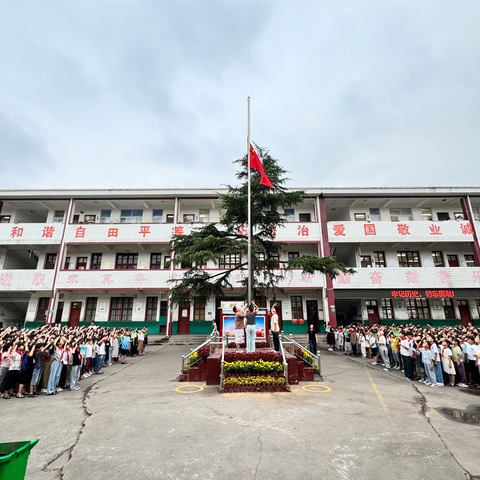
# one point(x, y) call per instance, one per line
point(76, 218)
point(89, 218)
point(360, 217)
point(5, 218)
point(151, 309)
point(121, 309)
point(387, 308)
point(459, 216)
point(66, 265)
point(297, 307)
point(365, 261)
point(42, 309)
point(185, 264)
point(156, 261)
point(157, 215)
point(408, 259)
point(437, 258)
point(400, 214)
point(448, 310)
point(131, 216)
point(379, 258)
point(96, 261)
point(477, 303)
point(289, 214)
point(170, 218)
point(81, 263)
point(204, 215)
point(261, 302)
point(469, 260)
point(166, 261)
point(476, 215)
point(58, 216)
point(229, 261)
point(188, 218)
point(417, 308)
point(293, 255)
point(374, 214)
point(105, 216)
point(90, 309)
point(198, 310)
point(305, 217)
point(163, 308)
point(427, 214)
point(452, 260)
point(50, 259)
point(126, 261)
point(443, 216)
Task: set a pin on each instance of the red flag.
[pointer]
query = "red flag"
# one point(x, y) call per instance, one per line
point(256, 164)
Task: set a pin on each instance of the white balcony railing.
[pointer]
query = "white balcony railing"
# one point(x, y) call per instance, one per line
point(30, 233)
point(353, 232)
point(26, 280)
point(410, 278)
point(112, 279)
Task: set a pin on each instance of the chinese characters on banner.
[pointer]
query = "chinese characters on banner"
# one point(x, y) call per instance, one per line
point(402, 229)
point(427, 294)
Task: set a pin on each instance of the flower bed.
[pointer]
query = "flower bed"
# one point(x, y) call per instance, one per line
point(256, 383)
point(252, 367)
point(253, 357)
point(243, 345)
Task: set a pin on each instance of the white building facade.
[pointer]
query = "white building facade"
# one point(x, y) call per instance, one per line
point(77, 256)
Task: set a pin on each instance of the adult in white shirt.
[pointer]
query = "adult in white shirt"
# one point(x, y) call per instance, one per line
point(406, 343)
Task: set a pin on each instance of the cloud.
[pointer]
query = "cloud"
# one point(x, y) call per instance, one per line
point(153, 94)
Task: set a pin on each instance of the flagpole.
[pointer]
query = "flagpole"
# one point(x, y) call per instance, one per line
point(249, 212)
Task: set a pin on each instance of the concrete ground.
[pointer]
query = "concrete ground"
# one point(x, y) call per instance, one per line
point(136, 422)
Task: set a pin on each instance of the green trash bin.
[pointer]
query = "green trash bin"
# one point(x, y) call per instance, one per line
point(14, 459)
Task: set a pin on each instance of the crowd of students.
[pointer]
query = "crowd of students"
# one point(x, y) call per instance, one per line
point(437, 357)
point(50, 359)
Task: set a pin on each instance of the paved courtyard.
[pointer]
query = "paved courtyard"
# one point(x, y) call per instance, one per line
point(134, 422)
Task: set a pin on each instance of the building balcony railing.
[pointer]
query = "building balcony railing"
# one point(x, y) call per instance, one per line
point(293, 278)
point(410, 278)
point(412, 231)
point(113, 280)
point(30, 233)
point(51, 233)
point(26, 280)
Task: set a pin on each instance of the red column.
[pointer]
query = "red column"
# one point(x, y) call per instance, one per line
point(467, 212)
point(332, 316)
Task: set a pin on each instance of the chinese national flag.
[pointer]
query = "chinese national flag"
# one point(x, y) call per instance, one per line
point(256, 164)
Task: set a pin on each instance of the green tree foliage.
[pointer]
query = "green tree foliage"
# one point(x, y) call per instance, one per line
point(229, 238)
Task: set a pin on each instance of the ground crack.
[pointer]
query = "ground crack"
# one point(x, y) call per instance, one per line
point(260, 455)
point(423, 411)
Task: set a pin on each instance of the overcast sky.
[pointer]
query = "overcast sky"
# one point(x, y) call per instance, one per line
point(145, 94)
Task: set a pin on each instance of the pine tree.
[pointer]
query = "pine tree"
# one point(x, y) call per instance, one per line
point(229, 237)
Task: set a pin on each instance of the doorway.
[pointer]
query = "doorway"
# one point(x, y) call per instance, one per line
point(312, 314)
point(58, 315)
point(75, 310)
point(464, 310)
point(372, 312)
point(184, 318)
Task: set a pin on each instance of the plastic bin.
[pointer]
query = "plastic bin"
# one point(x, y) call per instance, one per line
point(14, 459)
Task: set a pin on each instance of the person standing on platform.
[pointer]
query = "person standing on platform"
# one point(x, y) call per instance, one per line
point(312, 339)
point(239, 326)
point(275, 328)
point(250, 320)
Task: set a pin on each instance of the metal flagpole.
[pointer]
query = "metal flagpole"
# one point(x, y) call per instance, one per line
point(249, 212)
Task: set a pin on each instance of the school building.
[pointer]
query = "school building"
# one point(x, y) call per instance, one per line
point(77, 256)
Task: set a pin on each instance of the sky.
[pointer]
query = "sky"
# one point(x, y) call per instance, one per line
point(153, 94)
